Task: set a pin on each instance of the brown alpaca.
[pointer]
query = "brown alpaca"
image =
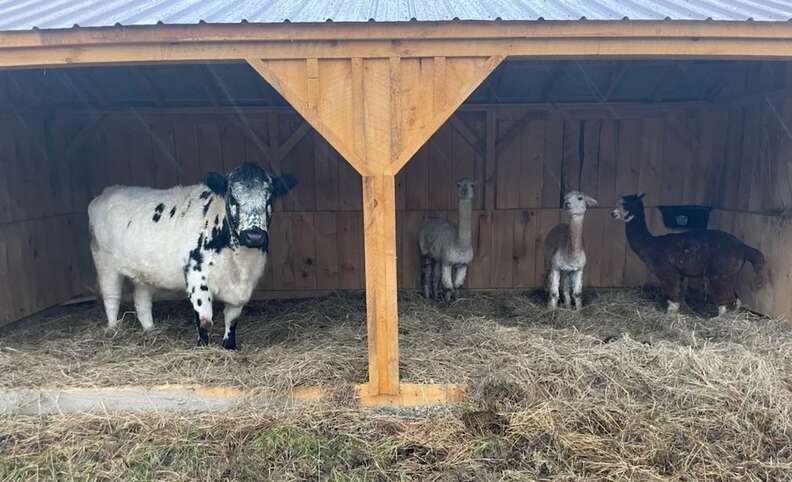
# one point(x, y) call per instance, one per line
point(714, 255)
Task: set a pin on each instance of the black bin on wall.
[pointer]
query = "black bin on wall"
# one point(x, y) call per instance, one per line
point(688, 216)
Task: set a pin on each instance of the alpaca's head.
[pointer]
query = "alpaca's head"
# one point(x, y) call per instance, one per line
point(629, 207)
point(465, 188)
point(576, 202)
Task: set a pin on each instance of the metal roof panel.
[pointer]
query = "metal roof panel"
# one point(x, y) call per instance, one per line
point(53, 14)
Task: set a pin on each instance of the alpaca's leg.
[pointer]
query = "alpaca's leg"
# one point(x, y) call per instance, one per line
point(448, 282)
point(722, 292)
point(553, 279)
point(737, 303)
point(436, 274)
point(566, 288)
point(426, 276)
point(672, 287)
point(460, 273)
point(577, 288)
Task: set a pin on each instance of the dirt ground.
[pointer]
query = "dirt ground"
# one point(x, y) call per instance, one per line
point(619, 391)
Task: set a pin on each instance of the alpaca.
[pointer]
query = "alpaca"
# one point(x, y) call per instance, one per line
point(446, 250)
point(565, 254)
point(713, 255)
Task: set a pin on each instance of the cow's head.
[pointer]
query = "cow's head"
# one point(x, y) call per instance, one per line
point(249, 192)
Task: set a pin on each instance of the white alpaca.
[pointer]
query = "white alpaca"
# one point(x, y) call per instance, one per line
point(446, 250)
point(565, 254)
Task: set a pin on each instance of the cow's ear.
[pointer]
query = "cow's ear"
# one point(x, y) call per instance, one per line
point(283, 184)
point(218, 183)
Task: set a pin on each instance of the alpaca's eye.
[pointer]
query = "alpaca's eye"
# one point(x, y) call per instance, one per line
point(580, 198)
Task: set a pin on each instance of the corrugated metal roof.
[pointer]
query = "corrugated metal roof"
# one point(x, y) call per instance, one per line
point(52, 14)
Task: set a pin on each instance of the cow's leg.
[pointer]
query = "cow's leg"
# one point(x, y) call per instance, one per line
point(111, 283)
point(203, 334)
point(577, 288)
point(200, 296)
point(143, 295)
point(426, 276)
point(448, 282)
point(553, 280)
point(230, 314)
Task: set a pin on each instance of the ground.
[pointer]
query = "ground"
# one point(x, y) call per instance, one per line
point(620, 391)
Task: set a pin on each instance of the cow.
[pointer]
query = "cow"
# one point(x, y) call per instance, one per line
point(209, 240)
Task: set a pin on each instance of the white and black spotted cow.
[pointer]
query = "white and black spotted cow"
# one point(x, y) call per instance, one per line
point(209, 239)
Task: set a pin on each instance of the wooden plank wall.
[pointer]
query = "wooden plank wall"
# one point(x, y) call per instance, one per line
point(753, 159)
point(317, 229)
point(38, 227)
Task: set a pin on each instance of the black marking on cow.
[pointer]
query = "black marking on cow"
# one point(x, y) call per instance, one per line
point(217, 219)
point(206, 206)
point(203, 335)
point(219, 238)
point(173, 211)
point(129, 224)
point(199, 302)
point(205, 194)
point(192, 291)
point(211, 263)
point(203, 278)
point(189, 204)
point(158, 212)
point(203, 288)
point(197, 255)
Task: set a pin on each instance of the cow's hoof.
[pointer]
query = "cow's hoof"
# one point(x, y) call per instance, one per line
point(203, 341)
point(229, 344)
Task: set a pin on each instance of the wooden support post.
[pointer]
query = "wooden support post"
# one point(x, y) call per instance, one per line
point(366, 123)
point(379, 219)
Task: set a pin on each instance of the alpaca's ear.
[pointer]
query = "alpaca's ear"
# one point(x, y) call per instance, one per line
point(590, 201)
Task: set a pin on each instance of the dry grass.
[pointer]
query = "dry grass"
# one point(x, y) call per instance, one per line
point(619, 391)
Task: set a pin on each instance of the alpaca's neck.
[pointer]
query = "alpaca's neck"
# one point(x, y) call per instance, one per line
point(638, 234)
point(464, 223)
point(575, 240)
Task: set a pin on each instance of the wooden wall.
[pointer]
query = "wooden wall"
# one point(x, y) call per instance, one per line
point(754, 188)
point(38, 225)
point(532, 158)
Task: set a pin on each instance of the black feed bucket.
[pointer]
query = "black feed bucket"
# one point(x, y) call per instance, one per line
point(685, 216)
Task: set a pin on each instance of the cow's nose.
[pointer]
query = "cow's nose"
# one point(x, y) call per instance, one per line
point(254, 237)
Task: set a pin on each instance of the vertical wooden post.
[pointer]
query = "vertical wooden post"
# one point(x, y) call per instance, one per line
point(379, 219)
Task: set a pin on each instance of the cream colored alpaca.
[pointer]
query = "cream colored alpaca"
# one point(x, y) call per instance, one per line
point(565, 254)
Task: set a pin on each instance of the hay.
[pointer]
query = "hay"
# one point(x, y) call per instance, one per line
point(619, 391)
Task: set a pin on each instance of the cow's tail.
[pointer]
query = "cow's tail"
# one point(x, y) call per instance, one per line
point(757, 260)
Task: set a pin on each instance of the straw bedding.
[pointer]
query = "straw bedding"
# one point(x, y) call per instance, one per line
point(620, 391)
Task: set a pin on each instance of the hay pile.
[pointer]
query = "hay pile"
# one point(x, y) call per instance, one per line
point(620, 391)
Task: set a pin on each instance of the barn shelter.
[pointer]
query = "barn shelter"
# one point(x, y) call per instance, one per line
point(378, 108)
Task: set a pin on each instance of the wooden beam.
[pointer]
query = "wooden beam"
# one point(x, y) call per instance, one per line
point(294, 139)
point(490, 169)
point(553, 79)
point(379, 219)
point(616, 79)
point(284, 83)
point(412, 395)
point(333, 32)
point(478, 145)
point(148, 85)
point(570, 47)
point(85, 133)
